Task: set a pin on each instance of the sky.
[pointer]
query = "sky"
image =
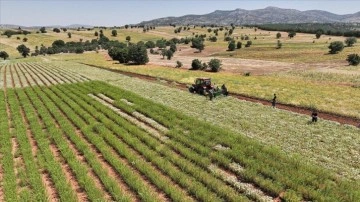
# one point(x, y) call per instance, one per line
point(121, 12)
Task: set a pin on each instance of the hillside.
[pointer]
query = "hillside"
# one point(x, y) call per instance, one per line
point(258, 16)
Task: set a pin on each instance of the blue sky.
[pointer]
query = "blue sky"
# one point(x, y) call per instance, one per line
point(121, 12)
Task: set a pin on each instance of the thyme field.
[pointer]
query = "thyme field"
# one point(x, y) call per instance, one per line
point(67, 137)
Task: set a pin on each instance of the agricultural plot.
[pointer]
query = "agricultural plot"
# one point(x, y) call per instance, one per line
point(66, 138)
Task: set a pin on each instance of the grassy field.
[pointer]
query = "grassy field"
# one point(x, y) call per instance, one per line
point(65, 137)
point(332, 92)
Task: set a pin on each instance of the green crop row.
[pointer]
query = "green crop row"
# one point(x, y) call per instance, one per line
point(310, 181)
point(36, 189)
point(7, 163)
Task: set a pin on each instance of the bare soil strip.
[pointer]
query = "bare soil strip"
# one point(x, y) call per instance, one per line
point(247, 188)
point(133, 120)
point(289, 107)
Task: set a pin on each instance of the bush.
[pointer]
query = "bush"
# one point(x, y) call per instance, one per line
point(238, 45)
point(228, 38)
point(231, 46)
point(204, 66)
point(336, 47)
point(279, 44)
point(353, 59)
point(178, 64)
point(169, 54)
point(215, 65)
point(248, 44)
point(213, 39)
point(196, 64)
point(247, 73)
point(4, 55)
point(79, 50)
point(350, 41)
point(278, 35)
point(150, 44)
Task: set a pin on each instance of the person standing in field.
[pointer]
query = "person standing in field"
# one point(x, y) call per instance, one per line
point(273, 102)
point(314, 116)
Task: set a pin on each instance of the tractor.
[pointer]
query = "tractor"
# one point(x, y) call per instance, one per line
point(203, 86)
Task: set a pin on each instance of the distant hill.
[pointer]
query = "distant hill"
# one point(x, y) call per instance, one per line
point(267, 15)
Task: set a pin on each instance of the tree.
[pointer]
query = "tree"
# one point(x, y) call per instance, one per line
point(114, 33)
point(57, 30)
point(25, 39)
point(231, 46)
point(126, 26)
point(173, 47)
point(198, 43)
point(291, 34)
point(138, 54)
point(350, 41)
point(23, 50)
point(278, 35)
point(238, 45)
point(353, 59)
point(336, 47)
point(196, 64)
point(318, 34)
point(119, 54)
point(169, 54)
point(64, 29)
point(150, 44)
point(128, 38)
point(161, 43)
point(96, 34)
point(215, 65)
point(69, 34)
point(4, 55)
point(43, 30)
point(58, 43)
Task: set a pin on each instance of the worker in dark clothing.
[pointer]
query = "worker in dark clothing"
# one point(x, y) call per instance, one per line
point(273, 102)
point(224, 90)
point(314, 116)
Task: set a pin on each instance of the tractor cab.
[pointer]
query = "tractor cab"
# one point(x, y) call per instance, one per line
point(201, 86)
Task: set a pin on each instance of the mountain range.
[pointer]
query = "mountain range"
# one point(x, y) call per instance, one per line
point(267, 15)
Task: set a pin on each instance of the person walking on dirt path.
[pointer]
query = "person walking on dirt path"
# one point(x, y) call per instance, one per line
point(273, 102)
point(314, 116)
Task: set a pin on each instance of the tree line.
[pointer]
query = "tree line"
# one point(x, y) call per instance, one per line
point(335, 29)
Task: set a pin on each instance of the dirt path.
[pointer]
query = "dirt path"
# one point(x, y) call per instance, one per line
point(297, 109)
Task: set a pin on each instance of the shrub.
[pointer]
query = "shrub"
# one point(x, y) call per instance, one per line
point(178, 64)
point(196, 64)
point(278, 35)
point(231, 46)
point(4, 55)
point(247, 73)
point(238, 45)
point(350, 41)
point(79, 50)
point(215, 65)
point(353, 59)
point(279, 44)
point(213, 39)
point(336, 47)
point(248, 44)
point(150, 44)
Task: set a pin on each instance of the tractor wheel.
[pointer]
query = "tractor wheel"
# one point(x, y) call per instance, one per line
point(191, 89)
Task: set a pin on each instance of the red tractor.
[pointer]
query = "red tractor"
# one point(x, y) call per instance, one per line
point(203, 86)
